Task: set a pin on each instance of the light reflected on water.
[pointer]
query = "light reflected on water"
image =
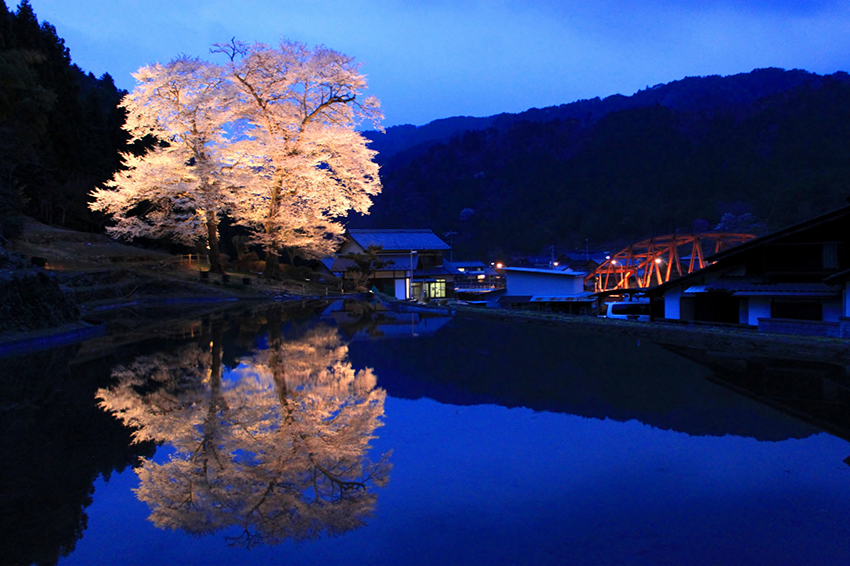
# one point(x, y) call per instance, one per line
point(275, 449)
point(343, 435)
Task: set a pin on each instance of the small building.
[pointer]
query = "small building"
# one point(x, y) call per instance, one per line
point(411, 262)
point(476, 278)
point(794, 280)
point(472, 268)
point(557, 290)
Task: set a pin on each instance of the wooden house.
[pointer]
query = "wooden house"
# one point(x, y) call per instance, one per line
point(410, 262)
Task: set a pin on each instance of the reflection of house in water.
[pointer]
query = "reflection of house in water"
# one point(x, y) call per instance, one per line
point(817, 392)
point(361, 323)
point(557, 369)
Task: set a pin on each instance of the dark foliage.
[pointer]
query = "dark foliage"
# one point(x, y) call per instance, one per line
point(773, 144)
point(60, 128)
point(58, 442)
point(364, 264)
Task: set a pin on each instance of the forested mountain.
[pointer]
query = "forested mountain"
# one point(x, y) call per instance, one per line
point(60, 128)
point(772, 143)
point(692, 94)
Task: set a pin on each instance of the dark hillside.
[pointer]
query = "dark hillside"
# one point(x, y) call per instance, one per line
point(634, 172)
point(691, 94)
point(60, 128)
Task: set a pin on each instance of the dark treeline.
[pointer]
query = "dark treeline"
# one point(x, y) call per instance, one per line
point(60, 128)
point(772, 146)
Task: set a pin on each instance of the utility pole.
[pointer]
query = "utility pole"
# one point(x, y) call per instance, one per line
point(450, 235)
point(410, 287)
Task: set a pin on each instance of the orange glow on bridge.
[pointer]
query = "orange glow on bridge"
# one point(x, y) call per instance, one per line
point(660, 259)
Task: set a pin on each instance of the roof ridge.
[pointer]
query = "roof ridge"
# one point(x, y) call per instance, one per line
point(387, 230)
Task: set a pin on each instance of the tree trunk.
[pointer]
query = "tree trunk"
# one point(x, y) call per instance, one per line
point(276, 362)
point(216, 265)
point(272, 270)
point(211, 427)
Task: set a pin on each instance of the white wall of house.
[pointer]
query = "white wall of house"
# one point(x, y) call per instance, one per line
point(847, 298)
point(552, 283)
point(672, 303)
point(350, 247)
point(759, 307)
point(744, 311)
point(832, 310)
point(401, 288)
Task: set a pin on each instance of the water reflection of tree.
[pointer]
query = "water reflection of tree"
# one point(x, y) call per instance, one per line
point(279, 451)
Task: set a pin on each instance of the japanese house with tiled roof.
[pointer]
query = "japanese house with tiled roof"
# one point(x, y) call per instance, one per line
point(794, 280)
point(411, 262)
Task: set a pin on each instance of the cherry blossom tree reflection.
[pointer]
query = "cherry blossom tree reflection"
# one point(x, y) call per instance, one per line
point(277, 450)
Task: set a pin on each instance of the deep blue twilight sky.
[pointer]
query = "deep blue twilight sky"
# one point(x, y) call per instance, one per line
point(430, 59)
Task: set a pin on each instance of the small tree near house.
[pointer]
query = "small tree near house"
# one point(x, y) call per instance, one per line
point(363, 265)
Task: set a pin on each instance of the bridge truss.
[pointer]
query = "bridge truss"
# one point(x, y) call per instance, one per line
point(660, 259)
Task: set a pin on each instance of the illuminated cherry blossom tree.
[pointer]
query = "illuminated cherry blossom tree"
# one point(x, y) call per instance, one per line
point(181, 187)
point(269, 138)
point(299, 108)
point(278, 450)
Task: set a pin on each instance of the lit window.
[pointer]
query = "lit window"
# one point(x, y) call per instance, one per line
point(437, 289)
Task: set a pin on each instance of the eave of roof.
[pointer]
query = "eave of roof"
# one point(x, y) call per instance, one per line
point(544, 271)
point(515, 299)
point(839, 277)
point(744, 288)
point(586, 296)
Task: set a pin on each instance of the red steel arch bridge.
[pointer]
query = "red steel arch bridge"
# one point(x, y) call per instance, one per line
point(657, 260)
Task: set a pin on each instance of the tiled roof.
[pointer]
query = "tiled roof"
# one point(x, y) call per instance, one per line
point(755, 288)
point(398, 240)
point(433, 272)
point(515, 298)
point(342, 264)
point(451, 267)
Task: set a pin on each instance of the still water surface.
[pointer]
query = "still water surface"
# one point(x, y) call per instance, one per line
point(337, 437)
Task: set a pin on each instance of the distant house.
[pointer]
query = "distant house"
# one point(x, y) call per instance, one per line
point(557, 290)
point(581, 261)
point(474, 278)
point(412, 262)
point(794, 280)
point(470, 268)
